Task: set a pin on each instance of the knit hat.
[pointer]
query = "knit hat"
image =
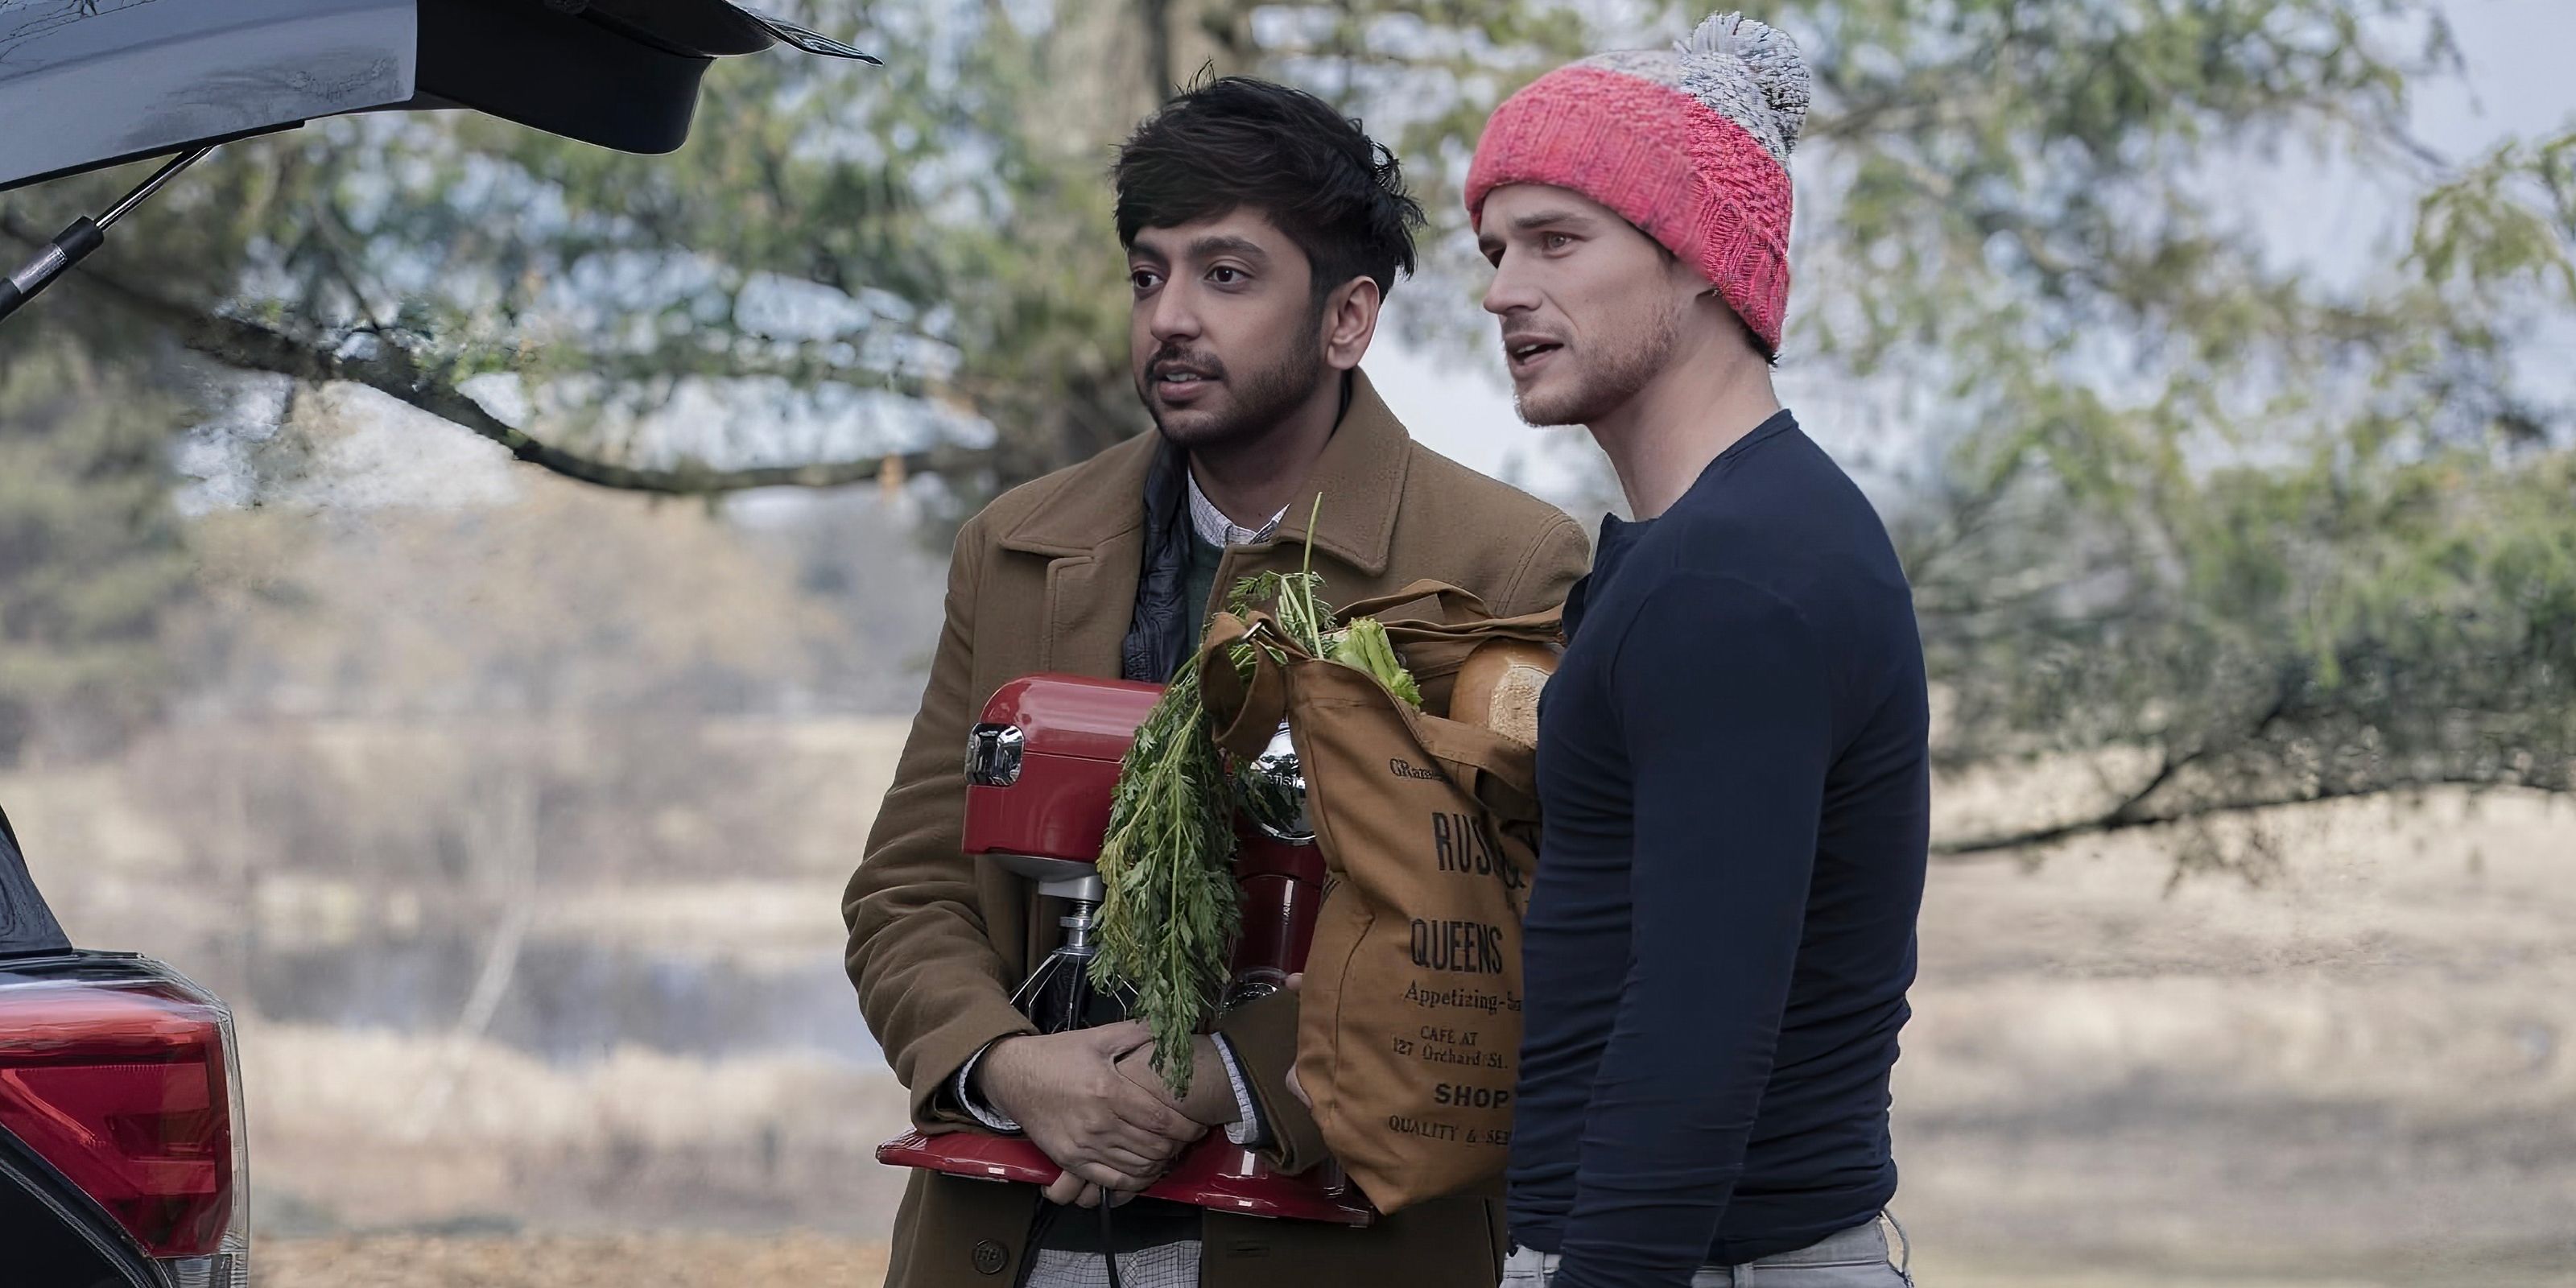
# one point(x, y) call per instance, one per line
point(1691, 145)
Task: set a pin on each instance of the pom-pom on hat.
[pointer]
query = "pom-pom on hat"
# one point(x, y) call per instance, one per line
point(1689, 144)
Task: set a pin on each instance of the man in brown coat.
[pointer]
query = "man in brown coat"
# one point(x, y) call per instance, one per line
point(1262, 230)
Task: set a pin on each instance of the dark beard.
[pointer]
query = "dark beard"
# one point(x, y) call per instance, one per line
point(1262, 399)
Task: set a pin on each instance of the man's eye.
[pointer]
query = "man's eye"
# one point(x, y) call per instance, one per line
point(1144, 280)
point(1224, 276)
point(1555, 241)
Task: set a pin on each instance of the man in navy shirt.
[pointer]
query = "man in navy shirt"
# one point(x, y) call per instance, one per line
point(1732, 759)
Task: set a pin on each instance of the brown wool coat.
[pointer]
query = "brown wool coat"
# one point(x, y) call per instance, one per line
point(1044, 579)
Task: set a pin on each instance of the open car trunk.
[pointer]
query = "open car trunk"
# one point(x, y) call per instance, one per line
point(92, 83)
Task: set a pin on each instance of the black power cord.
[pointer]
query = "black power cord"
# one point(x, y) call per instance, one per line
point(1108, 1243)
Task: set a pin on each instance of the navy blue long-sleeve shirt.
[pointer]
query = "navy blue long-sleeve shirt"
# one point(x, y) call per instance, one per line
point(1733, 773)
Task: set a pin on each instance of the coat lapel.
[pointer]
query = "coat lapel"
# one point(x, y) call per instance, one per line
point(1360, 477)
point(1089, 599)
point(1092, 533)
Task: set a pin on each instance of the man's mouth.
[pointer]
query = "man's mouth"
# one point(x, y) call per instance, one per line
point(1526, 353)
point(1176, 383)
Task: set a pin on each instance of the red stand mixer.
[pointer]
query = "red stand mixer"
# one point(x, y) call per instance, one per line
point(1040, 769)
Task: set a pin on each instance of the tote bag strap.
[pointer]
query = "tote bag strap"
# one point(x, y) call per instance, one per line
point(1467, 620)
point(1501, 774)
point(1459, 603)
point(1246, 712)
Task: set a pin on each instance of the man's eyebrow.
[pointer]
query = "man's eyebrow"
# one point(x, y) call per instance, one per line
point(1215, 244)
point(1538, 219)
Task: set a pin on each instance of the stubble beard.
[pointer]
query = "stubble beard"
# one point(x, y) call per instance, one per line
point(1619, 367)
point(1260, 400)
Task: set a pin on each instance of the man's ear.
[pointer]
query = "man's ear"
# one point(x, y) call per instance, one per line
point(1699, 299)
point(1683, 277)
point(1350, 321)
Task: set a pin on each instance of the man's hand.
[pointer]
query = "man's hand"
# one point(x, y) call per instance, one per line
point(1073, 1191)
point(1065, 1091)
point(1211, 1100)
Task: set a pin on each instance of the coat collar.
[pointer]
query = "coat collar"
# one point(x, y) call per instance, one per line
point(1360, 474)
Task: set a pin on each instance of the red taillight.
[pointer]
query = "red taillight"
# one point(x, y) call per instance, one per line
point(125, 1087)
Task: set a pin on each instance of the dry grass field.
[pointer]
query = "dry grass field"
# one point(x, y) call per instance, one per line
point(568, 1261)
point(2355, 1074)
point(2356, 1071)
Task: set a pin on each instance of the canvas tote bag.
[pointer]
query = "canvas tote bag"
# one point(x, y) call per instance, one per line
point(1409, 1025)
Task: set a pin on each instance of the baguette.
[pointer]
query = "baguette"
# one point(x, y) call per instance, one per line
point(1498, 687)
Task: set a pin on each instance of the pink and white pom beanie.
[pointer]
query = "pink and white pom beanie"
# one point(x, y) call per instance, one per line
point(1689, 144)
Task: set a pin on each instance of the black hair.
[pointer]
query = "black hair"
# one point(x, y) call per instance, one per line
point(1237, 142)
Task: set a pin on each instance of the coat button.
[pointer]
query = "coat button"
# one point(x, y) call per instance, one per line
point(989, 1257)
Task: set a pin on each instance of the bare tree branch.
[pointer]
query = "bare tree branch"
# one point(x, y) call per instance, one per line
point(390, 369)
point(2130, 811)
point(2118, 819)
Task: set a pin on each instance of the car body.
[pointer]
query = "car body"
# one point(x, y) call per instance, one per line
point(121, 1154)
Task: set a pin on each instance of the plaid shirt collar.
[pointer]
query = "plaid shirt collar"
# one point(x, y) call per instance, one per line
point(1214, 528)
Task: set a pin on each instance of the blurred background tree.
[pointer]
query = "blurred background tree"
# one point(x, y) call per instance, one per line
point(2240, 529)
point(89, 550)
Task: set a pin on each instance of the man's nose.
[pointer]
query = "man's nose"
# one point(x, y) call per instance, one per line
point(1509, 292)
point(1173, 315)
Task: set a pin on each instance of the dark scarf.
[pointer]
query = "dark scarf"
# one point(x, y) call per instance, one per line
point(1158, 632)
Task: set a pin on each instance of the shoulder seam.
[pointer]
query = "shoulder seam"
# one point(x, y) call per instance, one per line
point(1529, 559)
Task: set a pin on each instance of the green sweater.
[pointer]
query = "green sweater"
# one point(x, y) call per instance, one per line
point(1201, 586)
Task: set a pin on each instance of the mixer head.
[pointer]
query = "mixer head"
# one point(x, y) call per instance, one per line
point(1271, 791)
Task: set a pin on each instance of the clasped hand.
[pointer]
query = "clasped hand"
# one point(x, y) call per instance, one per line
point(1089, 1099)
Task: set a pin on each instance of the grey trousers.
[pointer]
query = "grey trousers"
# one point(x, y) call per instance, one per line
point(1855, 1258)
